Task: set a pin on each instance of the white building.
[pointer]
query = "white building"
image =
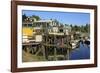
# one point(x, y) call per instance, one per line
point(67, 29)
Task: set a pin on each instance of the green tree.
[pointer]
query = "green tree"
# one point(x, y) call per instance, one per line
point(36, 17)
point(24, 17)
point(87, 28)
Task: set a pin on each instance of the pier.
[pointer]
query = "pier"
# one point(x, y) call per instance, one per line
point(52, 48)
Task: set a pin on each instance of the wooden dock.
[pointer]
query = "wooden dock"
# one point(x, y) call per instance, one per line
point(52, 47)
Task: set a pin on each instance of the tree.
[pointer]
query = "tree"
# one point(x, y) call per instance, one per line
point(66, 25)
point(71, 25)
point(36, 17)
point(24, 17)
point(87, 28)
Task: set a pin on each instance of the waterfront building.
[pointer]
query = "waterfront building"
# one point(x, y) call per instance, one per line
point(33, 28)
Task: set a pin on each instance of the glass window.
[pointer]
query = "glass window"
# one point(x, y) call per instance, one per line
point(61, 30)
point(24, 25)
point(29, 25)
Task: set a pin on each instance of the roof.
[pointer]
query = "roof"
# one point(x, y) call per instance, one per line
point(26, 22)
point(44, 21)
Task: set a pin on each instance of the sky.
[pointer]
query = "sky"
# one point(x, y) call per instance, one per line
point(73, 18)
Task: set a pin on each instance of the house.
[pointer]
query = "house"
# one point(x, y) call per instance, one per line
point(67, 29)
point(27, 30)
point(33, 28)
point(46, 25)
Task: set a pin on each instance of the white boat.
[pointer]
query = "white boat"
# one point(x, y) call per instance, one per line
point(74, 44)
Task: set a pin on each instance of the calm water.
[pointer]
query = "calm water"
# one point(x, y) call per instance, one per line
point(83, 52)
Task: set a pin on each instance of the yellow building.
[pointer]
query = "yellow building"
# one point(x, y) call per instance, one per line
point(27, 31)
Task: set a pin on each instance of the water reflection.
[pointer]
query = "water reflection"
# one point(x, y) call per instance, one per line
point(83, 52)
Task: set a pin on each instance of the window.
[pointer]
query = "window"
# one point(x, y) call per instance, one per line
point(29, 25)
point(24, 25)
point(61, 30)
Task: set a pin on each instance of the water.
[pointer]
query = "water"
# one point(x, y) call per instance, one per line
point(83, 52)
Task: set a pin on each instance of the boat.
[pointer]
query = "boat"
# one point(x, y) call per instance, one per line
point(75, 44)
point(87, 42)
